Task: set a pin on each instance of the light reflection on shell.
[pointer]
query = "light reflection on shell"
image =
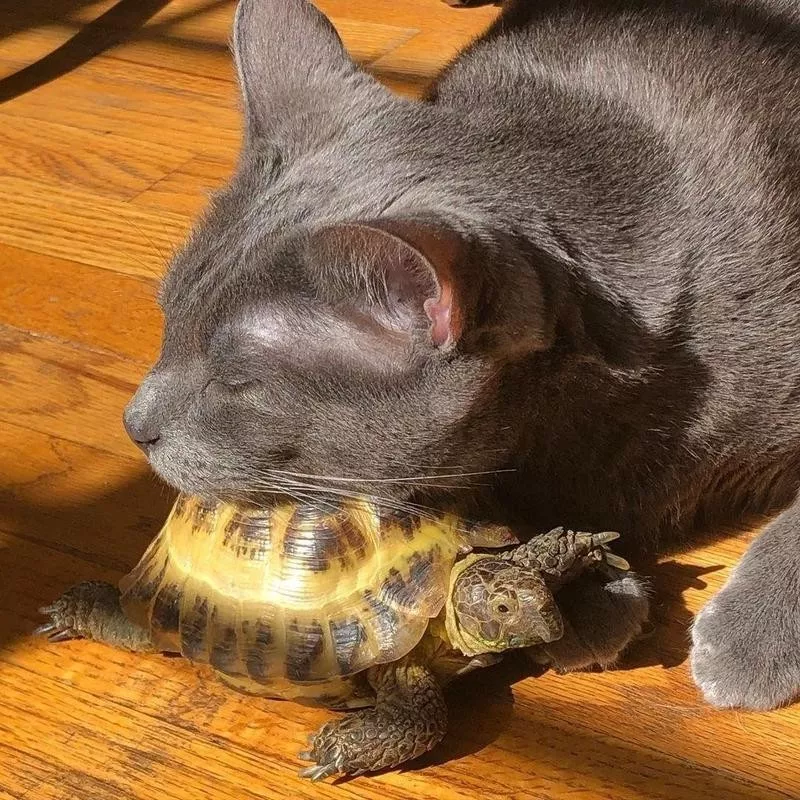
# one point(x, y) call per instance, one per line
point(290, 594)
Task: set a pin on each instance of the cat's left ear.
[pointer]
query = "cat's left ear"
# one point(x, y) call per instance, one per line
point(400, 273)
point(424, 280)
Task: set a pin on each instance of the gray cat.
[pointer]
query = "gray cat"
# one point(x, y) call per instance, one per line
point(563, 288)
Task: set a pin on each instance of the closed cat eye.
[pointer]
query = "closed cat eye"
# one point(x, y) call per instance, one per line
point(234, 384)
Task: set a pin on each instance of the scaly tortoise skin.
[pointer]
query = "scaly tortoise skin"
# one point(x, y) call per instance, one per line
point(343, 607)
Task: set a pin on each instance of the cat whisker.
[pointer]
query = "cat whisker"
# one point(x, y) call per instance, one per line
point(317, 494)
point(415, 479)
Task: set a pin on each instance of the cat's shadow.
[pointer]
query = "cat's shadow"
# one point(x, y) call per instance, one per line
point(666, 642)
point(481, 705)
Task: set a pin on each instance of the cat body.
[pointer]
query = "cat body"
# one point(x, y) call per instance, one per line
point(564, 287)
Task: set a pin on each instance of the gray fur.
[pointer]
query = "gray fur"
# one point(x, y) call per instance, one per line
point(609, 191)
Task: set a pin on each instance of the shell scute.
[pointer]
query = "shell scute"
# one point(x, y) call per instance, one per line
point(257, 661)
point(348, 635)
point(193, 627)
point(304, 646)
point(224, 655)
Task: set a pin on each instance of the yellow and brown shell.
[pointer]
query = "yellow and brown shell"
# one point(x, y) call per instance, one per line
point(292, 595)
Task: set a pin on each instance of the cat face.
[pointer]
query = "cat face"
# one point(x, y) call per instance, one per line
point(272, 371)
point(310, 337)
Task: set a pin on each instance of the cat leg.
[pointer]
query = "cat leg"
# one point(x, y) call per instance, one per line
point(91, 610)
point(603, 613)
point(746, 641)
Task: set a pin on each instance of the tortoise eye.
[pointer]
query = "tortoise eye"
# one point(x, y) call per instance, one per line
point(504, 605)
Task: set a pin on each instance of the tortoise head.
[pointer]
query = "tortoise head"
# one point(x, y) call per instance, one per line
point(495, 605)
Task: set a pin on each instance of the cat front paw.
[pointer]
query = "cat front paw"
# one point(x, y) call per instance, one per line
point(601, 618)
point(746, 647)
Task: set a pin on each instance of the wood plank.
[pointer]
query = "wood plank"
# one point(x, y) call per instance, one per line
point(66, 391)
point(74, 499)
point(69, 300)
point(196, 29)
point(101, 172)
point(136, 101)
point(571, 741)
point(186, 190)
point(103, 163)
point(81, 226)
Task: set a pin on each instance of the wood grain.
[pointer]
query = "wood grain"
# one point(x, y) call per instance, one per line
point(101, 172)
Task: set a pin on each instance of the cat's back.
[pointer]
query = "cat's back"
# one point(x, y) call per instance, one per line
point(663, 135)
point(660, 140)
point(677, 67)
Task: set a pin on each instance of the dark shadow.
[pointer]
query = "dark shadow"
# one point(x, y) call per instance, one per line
point(483, 712)
point(666, 641)
point(108, 30)
point(123, 22)
point(54, 546)
point(481, 705)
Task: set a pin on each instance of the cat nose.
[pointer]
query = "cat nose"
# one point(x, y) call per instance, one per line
point(141, 429)
point(141, 418)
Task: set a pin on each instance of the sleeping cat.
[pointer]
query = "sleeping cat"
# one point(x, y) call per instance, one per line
point(562, 288)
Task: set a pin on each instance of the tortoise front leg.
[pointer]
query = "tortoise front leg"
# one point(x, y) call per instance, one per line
point(409, 718)
point(91, 610)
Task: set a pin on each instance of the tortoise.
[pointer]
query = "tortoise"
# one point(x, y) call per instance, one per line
point(345, 606)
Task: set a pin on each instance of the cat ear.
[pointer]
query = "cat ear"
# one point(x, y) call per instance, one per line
point(291, 63)
point(403, 271)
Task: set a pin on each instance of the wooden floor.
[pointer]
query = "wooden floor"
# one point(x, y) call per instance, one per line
point(103, 162)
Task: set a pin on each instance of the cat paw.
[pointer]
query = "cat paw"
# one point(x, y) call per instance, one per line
point(601, 618)
point(746, 648)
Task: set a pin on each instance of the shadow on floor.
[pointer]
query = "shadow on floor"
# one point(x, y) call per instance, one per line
point(125, 21)
point(481, 705)
point(54, 546)
point(109, 29)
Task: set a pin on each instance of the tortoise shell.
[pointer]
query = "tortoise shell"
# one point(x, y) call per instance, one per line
point(293, 592)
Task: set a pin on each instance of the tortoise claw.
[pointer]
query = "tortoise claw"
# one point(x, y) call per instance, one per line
point(305, 755)
point(45, 629)
point(319, 772)
point(55, 632)
point(62, 636)
point(614, 560)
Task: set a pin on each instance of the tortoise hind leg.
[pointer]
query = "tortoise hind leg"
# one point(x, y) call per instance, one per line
point(409, 718)
point(91, 610)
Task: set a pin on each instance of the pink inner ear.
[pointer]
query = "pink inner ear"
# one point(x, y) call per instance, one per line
point(439, 312)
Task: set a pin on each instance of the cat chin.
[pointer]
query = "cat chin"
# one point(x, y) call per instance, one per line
point(184, 472)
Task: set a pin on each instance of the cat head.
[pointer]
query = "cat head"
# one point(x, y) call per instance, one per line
point(329, 322)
